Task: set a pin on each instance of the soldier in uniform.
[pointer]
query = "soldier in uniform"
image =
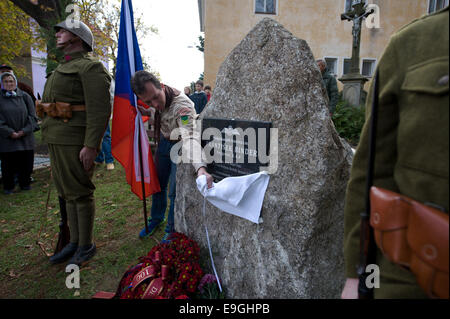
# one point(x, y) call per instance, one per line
point(411, 145)
point(173, 110)
point(75, 110)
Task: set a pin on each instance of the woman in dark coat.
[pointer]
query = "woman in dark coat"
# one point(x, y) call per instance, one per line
point(17, 123)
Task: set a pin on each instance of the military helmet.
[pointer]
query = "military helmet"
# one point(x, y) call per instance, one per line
point(80, 29)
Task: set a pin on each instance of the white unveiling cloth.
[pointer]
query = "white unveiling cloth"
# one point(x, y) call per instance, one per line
point(242, 196)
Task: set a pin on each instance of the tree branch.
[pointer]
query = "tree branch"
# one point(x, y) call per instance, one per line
point(44, 11)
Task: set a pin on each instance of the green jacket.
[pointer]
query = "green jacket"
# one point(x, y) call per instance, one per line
point(80, 80)
point(331, 85)
point(412, 138)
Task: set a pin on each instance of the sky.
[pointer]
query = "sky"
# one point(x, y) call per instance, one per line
point(172, 52)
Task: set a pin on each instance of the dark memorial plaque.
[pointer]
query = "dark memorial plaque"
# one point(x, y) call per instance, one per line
point(238, 147)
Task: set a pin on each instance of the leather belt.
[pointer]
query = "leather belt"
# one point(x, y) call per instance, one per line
point(78, 108)
point(58, 109)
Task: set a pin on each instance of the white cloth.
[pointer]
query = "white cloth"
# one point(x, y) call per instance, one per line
point(242, 196)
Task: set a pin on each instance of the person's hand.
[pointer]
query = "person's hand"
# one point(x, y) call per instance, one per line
point(209, 178)
point(87, 157)
point(17, 135)
point(144, 111)
point(350, 290)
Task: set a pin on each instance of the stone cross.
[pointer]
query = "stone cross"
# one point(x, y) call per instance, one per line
point(357, 14)
point(354, 81)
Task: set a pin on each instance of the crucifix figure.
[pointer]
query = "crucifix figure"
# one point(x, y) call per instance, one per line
point(356, 14)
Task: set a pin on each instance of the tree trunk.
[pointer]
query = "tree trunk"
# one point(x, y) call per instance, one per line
point(46, 13)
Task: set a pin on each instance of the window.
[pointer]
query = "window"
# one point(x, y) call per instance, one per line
point(368, 67)
point(332, 64)
point(435, 5)
point(346, 66)
point(265, 6)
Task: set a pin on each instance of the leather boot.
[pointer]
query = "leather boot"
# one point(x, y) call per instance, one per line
point(83, 254)
point(67, 252)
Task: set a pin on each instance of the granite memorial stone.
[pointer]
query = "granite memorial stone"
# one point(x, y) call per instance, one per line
point(297, 249)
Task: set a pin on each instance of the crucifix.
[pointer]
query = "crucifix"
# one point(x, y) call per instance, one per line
point(353, 81)
point(356, 14)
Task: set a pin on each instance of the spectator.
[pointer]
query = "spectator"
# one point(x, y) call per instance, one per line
point(208, 92)
point(199, 97)
point(17, 123)
point(330, 84)
point(20, 85)
point(187, 91)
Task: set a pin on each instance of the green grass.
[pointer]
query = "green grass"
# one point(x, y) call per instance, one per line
point(24, 269)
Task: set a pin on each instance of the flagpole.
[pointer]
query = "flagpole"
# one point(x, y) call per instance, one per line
point(144, 200)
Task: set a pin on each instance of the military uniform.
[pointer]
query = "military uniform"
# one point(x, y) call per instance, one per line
point(78, 80)
point(412, 138)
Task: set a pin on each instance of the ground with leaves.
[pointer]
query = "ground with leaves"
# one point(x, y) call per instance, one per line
point(24, 269)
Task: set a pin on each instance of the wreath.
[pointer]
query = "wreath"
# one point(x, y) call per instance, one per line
point(169, 271)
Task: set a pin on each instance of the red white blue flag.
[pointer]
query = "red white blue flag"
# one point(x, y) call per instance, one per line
point(128, 136)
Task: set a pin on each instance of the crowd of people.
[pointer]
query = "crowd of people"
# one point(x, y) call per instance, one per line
point(410, 100)
point(200, 97)
point(75, 126)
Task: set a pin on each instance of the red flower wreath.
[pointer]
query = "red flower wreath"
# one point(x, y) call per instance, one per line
point(169, 270)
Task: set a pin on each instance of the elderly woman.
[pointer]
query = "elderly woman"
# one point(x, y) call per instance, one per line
point(17, 122)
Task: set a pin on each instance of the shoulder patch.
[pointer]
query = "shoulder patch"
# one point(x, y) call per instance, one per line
point(184, 120)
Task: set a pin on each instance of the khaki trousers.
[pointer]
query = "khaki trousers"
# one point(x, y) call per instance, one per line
point(74, 184)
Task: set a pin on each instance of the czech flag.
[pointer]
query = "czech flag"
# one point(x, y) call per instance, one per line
point(129, 141)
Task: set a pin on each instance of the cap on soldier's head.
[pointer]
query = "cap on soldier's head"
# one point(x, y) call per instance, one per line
point(80, 29)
